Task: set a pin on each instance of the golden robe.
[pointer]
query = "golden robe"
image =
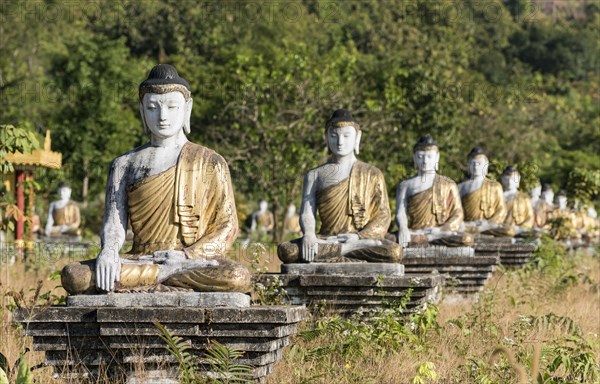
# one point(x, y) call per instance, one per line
point(519, 211)
point(358, 204)
point(438, 206)
point(68, 215)
point(486, 203)
point(564, 224)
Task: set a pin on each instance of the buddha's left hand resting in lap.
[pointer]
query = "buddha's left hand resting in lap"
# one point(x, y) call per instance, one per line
point(179, 199)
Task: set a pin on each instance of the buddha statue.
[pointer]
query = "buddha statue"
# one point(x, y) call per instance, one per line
point(63, 215)
point(428, 207)
point(351, 200)
point(482, 198)
point(519, 212)
point(262, 220)
point(563, 215)
point(540, 209)
point(291, 223)
point(179, 199)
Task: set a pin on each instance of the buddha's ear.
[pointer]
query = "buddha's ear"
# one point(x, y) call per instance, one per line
point(437, 161)
point(188, 116)
point(146, 130)
point(357, 143)
point(484, 170)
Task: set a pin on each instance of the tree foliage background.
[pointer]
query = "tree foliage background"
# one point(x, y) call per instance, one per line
point(518, 77)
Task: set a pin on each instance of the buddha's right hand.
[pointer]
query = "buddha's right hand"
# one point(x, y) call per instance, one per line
point(108, 270)
point(309, 247)
point(403, 238)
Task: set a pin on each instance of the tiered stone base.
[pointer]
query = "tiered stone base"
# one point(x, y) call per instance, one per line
point(511, 253)
point(356, 288)
point(465, 273)
point(93, 337)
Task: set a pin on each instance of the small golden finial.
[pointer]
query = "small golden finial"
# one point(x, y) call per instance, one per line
point(47, 141)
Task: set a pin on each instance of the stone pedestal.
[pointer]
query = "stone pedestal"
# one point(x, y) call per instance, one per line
point(356, 288)
point(465, 273)
point(510, 252)
point(116, 336)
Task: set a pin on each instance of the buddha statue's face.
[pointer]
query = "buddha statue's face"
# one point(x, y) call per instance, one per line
point(164, 114)
point(511, 182)
point(263, 205)
point(426, 161)
point(561, 201)
point(548, 196)
point(478, 166)
point(64, 193)
point(536, 192)
point(343, 141)
point(291, 209)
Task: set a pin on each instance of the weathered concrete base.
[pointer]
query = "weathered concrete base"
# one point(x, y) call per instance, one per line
point(344, 269)
point(162, 299)
point(359, 294)
point(465, 274)
point(123, 342)
point(438, 251)
point(511, 253)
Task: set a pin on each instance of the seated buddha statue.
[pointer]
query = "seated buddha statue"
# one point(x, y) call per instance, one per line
point(428, 207)
point(63, 215)
point(351, 200)
point(540, 207)
point(179, 199)
point(482, 198)
point(519, 212)
point(291, 223)
point(562, 219)
point(262, 220)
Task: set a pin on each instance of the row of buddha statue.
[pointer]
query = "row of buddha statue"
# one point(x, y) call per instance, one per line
point(178, 197)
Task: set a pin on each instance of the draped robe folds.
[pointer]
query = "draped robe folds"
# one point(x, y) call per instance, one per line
point(519, 211)
point(189, 207)
point(438, 206)
point(68, 215)
point(358, 204)
point(485, 203)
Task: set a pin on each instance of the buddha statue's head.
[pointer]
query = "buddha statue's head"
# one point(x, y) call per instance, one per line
point(547, 193)
point(64, 191)
point(165, 102)
point(477, 162)
point(536, 190)
point(511, 178)
point(291, 209)
point(426, 155)
point(263, 206)
point(343, 134)
point(561, 199)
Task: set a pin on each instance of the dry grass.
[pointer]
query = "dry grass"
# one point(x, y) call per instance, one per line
point(451, 349)
point(454, 348)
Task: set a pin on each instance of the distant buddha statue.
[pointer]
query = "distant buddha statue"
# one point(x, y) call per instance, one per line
point(482, 198)
point(262, 220)
point(563, 215)
point(179, 199)
point(428, 207)
point(63, 215)
point(291, 223)
point(540, 207)
point(519, 212)
point(351, 200)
